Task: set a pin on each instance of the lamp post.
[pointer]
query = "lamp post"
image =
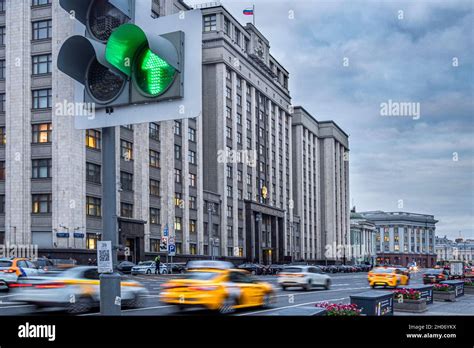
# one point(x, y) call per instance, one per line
point(258, 218)
point(210, 243)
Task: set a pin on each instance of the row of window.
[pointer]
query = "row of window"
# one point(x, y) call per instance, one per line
point(34, 3)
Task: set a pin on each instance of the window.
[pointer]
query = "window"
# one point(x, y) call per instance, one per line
point(177, 152)
point(154, 129)
point(192, 134)
point(42, 64)
point(2, 207)
point(239, 118)
point(239, 82)
point(41, 203)
point(239, 138)
point(154, 159)
point(192, 157)
point(229, 211)
point(41, 2)
point(229, 191)
point(249, 179)
point(41, 133)
point(126, 181)
point(93, 206)
point(126, 150)
point(239, 100)
point(240, 194)
point(178, 200)
point(247, 44)
point(210, 22)
point(177, 176)
point(42, 30)
point(2, 36)
point(2, 102)
point(177, 128)
point(93, 139)
point(41, 168)
point(3, 136)
point(42, 98)
point(2, 6)
point(178, 223)
point(228, 132)
point(229, 172)
point(154, 245)
point(154, 188)
point(239, 175)
point(228, 112)
point(93, 173)
point(249, 107)
point(192, 180)
point(226, 26)
point(237, 36)
point(192, 248)
point(91, 240)
point(192, 203)
point(192, 226)
point(126, 210)
point(2, 170)
point(2, 69)
point(154, 216)
point(228, 93)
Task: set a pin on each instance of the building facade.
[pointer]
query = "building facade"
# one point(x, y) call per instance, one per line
point(222, 183)
point(459, 249)
point(321, 187)
point(402, 238)
point(363, 239)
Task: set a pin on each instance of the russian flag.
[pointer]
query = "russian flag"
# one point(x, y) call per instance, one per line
point(248, 12)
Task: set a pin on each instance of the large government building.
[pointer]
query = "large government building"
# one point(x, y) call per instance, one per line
point(253, 178)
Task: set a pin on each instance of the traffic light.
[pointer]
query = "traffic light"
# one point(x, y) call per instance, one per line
point(125, 58)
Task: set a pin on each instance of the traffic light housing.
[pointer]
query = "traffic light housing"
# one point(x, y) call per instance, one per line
point(125, 59)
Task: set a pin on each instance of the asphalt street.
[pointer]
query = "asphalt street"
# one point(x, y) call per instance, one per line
point(343, 285)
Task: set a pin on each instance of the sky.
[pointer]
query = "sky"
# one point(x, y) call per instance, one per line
point(347, 58)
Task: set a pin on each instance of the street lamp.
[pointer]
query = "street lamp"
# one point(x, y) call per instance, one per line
point(258, 218)
point(210, 243)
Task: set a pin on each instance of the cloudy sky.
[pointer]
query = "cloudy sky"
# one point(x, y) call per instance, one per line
point(346, 58)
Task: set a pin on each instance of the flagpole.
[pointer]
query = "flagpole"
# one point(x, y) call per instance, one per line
point(253, 14)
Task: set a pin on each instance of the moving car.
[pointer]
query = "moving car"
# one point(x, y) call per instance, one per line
point(216, 285)
point(11, 269)
point(76, 290)
point(303, 276)
point(148, 267)
point(387, 276)
point(431, 276)
point(253, 268)
point(126, 267)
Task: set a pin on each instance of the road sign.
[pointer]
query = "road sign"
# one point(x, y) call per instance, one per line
point(104, 257)
point(171, 240)
point(166, 231)
point(171, 250)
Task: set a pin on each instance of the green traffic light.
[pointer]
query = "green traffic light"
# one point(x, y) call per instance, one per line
point(153, 74)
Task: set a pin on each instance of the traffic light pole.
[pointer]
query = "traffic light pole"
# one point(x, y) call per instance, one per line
point(109, 283)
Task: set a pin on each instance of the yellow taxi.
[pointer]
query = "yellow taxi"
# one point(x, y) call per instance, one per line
point(216, 285)
point(387, 276)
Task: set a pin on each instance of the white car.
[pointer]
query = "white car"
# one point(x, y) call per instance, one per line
point(303, 276)
point(11, 269)
point(76, 290)
point(148, 267)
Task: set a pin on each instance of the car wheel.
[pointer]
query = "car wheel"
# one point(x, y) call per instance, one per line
point(308, 286)
point(227, 307)
point(328, 284)
point(148, 271)
point(253, 272)
point(81, 305)
point(182, 271)
point(373, 286)
point(267, 300)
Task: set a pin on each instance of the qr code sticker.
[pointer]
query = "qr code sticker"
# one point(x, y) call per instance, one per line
point(104, 255)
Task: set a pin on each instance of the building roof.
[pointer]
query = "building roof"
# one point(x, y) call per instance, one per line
point(379, 216)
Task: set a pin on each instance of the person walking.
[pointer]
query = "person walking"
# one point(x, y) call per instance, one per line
point(157, 264)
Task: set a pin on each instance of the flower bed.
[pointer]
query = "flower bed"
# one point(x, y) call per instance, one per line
point(409, 300)
point(468, 286)
point(443, 292)
point(334, 309)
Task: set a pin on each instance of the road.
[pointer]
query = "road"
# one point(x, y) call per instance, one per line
point(343, 285)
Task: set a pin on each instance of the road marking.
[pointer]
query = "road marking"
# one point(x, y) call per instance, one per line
point(298, 305)
point(25, 305)
point(130, 310)
point(319, 291)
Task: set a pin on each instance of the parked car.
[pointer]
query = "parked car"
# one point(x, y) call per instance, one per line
point(253, 268)
point(274, 268)
point(303, 276)
point(125, 266)
point(12, 269)
point(46, 265)
point(76, 290)
point(148, 267)
point(432, 276)
point(176, 267)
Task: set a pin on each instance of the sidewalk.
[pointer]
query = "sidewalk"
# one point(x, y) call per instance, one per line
point(464, 305)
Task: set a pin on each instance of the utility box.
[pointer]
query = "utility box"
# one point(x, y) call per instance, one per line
point(426, 291)
point(374, 303)
point(458, 286)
